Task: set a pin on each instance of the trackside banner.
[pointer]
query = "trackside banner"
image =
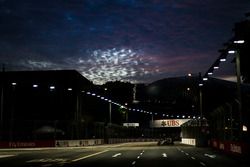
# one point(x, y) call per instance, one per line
point(162, 123)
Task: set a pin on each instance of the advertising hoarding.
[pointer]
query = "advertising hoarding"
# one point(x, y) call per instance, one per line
point(164, 123)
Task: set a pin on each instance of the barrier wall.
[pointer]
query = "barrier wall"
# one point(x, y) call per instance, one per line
point(27, 144)
point(78, 143)
point(69, 143)
point(188, 141)
point(237, 148)
point(119, 140)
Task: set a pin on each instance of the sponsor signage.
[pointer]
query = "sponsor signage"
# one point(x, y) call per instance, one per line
point(167, 123)
point(131, 124)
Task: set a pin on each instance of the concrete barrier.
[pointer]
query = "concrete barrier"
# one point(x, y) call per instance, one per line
point(188, 141)
point(78, 143)
point(27, 144)
point(120, 140)
point(71, 143)
point(230, 147)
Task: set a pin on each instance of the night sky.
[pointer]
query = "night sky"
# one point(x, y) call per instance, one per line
point(125, 40)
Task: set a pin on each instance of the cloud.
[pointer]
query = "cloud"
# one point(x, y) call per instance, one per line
point(166, 38)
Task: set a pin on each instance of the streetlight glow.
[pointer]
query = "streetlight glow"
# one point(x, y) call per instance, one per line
point(52, 87)
point(205, 79)
point(223, 60)
point(231, 51)
point(13, 83)
point(216, 67)
point(35, 86)
point(210, 73)
point(239, 41)
point(70, 89)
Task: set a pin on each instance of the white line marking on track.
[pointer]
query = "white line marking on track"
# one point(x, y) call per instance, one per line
point(47, 160)
point(116, 155)
point(202, 164)
point(186, 153)
point(45, 165)
point(138, 157)
point(193, 158)
point(133, 163)
point(6, 156)
point(87, 156)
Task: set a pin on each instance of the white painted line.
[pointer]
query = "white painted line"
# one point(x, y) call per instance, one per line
point(133, 163)
point(182, 151)
point(88, 156)
point(164, 155)
point(116, 155)
point(141, 153)
point(138, 157)
point(210, 156)
point(6, 156)
point(45, 165)
point(186, 153)
point(202, 164)
point(47, 160)
point(36, 160)
point(193, 158)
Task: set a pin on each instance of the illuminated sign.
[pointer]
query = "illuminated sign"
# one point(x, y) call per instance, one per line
point(131, 124)
point(168, 123)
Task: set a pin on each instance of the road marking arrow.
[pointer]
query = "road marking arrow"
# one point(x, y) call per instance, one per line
point(116, 155)
point(164, 155)
point(210, 156)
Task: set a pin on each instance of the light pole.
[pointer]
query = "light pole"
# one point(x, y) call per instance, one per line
point(238, 73)
point(200, 84)
point(201, 105)
point(2, 101)
point(110, 113)
point(239, 89)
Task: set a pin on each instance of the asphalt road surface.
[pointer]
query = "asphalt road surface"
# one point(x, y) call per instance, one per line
point(145, 154)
